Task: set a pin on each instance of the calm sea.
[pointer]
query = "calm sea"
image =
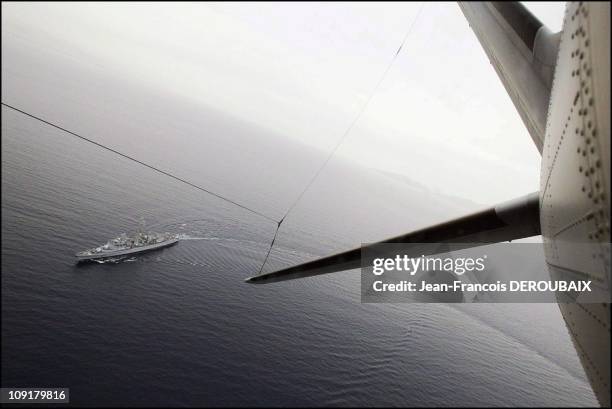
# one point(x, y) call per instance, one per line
point(179, 327)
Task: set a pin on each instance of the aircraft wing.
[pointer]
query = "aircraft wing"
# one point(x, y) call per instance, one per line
point(518, 218)
point(523, 51)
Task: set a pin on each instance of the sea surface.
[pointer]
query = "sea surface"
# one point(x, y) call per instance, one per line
point(179, 327)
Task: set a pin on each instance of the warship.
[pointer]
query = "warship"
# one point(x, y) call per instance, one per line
point(126, 245)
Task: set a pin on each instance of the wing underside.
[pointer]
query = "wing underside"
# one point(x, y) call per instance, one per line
point(511, 220)
point(523, 52)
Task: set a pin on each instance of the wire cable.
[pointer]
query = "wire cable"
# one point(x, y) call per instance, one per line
point(299, 197)
point(163, 172)
point(344, 135)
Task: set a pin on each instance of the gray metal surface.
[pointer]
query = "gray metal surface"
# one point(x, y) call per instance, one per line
point(575, 180)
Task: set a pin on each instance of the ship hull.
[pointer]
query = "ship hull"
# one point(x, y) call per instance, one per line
point(123, 252)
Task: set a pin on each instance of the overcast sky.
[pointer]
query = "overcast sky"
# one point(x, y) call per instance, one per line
point(441, 116)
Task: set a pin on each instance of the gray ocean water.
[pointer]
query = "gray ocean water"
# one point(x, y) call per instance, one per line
point(179, 327)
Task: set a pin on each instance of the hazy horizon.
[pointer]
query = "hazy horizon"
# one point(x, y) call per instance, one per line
point(300, 70)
